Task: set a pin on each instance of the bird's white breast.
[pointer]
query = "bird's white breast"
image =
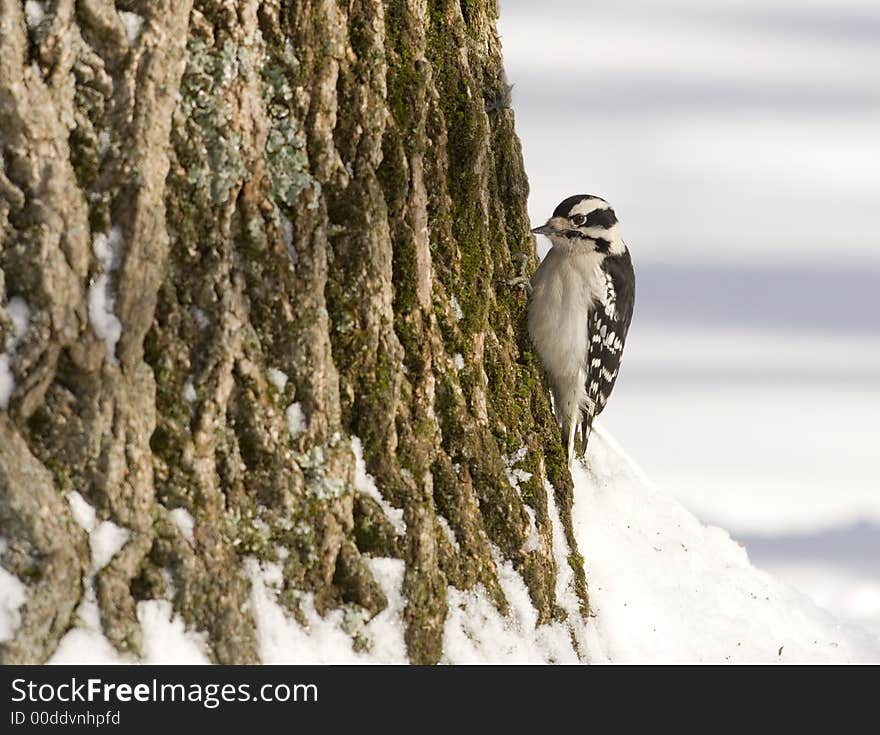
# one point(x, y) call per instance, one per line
point(564, 289)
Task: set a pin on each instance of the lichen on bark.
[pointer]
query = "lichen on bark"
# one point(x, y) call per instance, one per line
point(328, 191)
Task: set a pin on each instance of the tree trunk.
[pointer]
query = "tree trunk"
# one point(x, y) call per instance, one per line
point(233, 236)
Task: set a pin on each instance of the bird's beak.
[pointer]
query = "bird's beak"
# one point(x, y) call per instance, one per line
point(544, 229)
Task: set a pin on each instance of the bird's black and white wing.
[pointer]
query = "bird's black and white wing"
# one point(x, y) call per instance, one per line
point(609, 323)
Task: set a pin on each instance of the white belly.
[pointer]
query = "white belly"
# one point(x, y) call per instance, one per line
point(563, 292)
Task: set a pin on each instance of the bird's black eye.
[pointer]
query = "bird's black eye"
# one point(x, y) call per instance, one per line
point(578, 219)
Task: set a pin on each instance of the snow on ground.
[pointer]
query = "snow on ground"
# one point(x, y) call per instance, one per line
point(771, 435)
point(282, 640)
point(663, 586)
point(165, 636)
point(476, 633)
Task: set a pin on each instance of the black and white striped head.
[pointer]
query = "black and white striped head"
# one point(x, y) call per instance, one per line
point(584, 221)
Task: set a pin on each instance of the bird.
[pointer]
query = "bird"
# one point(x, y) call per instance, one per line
point(580, 307)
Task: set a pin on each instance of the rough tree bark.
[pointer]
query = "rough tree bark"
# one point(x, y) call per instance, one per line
point(329, 188)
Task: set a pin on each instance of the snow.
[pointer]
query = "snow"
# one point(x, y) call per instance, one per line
point(133, 24)
point(664, 588)
point(185, 523)
point(475, 632)
point(283, 641)
point(105, 537)
point(166, 640)
point(450, 534)
point(278, 378)
point(533, 542)
point(84, 643)
point(83, 512)
point(296, 420)
point(515, 476)
point(686, 591)
point(166, 637)
point(20, 313)
point(34, 12)
point(107, 249)
point(106, 540)
point(13, 594)
point(763, 438)
point(364, 483)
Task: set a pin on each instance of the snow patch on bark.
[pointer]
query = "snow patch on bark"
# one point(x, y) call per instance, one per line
point(106, 541)
point(278, 378)
point(105, 537)
point(83, 512)
point(515, 476)
point(13, 594)
point(34, 12)
point(367, 485)
point(20, 314)
point(133, 24)
point(448, 532)
point(296, 420)
point(85, 643)
point(185, 524)
point(201, 318)
point(102, 301)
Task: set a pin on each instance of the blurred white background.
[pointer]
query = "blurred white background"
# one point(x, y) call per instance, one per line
point(739, 142)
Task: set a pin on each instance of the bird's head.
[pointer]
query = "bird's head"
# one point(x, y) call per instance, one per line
point(584, 221)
